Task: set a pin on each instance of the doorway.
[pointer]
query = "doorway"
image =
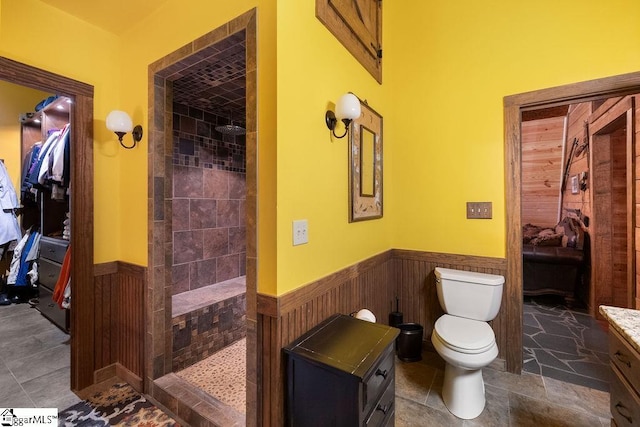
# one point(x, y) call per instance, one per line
point(165, 74)
point(514, 106)
point(81, 112)
point(612, 143)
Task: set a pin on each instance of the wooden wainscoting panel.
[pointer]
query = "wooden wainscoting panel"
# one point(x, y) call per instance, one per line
point(130, 318)
point(282, 319)
point(297, 297)
point(374, 284)
point(105, 354)
point(104, 374)
point(119, 321)
point(417, 288)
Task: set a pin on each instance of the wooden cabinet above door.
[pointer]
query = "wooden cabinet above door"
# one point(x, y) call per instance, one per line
point(358, 26)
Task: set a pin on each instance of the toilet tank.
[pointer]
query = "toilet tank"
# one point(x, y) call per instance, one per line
point(469, 294)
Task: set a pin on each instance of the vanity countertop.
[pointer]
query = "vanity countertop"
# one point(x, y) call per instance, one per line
point(626, 321)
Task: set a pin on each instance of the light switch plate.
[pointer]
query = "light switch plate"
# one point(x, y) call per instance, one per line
point(300, 232)
point(479, 210)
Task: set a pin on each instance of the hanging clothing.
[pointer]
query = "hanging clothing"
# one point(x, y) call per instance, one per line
point(51, 169)
point(57, 164)
point(24, 255)
point(64, 280)
point(25, 264)
point(66, 297)
point(33, 275)
point(26, 196)
point(34, 172)
point(9, 227)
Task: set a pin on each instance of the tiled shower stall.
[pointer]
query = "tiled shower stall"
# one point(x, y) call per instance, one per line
point(209, 234)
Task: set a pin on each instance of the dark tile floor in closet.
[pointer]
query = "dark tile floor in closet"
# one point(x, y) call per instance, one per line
point(565, 344)
point(34, 360)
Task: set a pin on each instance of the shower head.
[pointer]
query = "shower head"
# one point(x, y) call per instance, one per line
point(231, 129)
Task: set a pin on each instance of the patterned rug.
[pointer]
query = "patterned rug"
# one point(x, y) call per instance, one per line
point(222, 375)
point(120, 405)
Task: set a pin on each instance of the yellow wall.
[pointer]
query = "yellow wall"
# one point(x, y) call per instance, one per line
point(14, 100)
point(314, 70)
point(36, 34)
point(447, 67)
point(173, 25)
point(117, 67)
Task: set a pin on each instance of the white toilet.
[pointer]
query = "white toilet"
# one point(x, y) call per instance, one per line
point(463, 338)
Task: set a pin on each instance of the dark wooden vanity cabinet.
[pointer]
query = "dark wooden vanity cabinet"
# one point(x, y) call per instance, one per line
point(341, 373)
point(625, 381)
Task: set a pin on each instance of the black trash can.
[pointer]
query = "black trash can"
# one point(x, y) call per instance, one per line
point(409, 342)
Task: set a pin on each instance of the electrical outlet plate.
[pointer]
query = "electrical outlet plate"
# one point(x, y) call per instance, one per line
point(479, 210)
point(300, 232)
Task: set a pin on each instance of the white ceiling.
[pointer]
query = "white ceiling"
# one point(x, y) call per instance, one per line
point(114, 16)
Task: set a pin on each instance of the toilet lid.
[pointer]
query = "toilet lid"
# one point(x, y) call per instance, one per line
point(466, 335)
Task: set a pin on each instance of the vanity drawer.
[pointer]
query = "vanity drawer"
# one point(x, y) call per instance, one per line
point(48, 273)
point(384, 408)
point(53, 249)
point(376, 382)
point(626, 359)
point(625, 403)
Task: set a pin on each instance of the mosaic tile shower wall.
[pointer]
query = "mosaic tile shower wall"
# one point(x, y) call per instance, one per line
point(208, 201)
point(198, 144)
point(200, 333)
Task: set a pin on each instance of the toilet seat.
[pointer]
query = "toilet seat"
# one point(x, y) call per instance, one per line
point(464, 335)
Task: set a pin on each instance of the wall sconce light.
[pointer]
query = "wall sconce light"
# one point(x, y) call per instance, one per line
point(347, 109)
point(120, 123)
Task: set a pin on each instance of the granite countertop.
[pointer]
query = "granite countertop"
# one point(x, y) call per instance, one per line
point(626, 321)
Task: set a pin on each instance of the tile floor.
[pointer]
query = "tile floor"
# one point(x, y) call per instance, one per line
point(512, 400)
point(34, 371)
point(565, 344)
point(34, 360)
point(222, 375)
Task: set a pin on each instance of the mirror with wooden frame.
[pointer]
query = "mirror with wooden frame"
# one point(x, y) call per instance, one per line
point(365, 166)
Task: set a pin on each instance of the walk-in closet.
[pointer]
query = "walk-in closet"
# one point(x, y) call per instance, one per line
point(35, 263)
point(35, 190)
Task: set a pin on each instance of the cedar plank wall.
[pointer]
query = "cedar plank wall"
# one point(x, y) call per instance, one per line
point(619, 216)
point(119, 322)
point(612, 197)
point(541, 170)
point(602, 259)
point(578, 116)
point(372, 283)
